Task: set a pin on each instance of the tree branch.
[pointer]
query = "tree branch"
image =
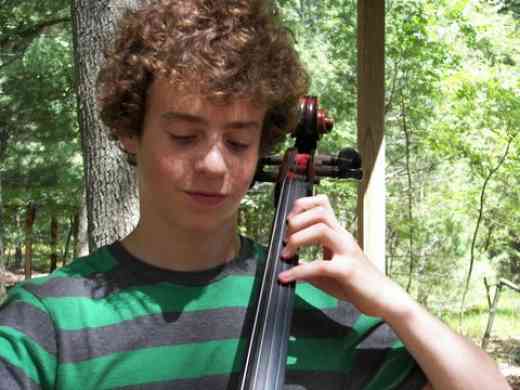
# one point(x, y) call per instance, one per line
point(477, 226)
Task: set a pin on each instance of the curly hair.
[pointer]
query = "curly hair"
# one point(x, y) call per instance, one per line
point(227, 48)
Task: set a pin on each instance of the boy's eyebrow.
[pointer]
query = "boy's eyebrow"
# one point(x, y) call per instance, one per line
point(184, 116)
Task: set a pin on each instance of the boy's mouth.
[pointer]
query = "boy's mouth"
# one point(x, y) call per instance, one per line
point(207, 198)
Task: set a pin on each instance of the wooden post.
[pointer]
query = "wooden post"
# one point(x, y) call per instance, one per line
point(493, 308)
point(491, 318)
point(371, 106)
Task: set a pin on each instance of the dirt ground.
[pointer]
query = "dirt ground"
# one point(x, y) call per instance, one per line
point(505, 351)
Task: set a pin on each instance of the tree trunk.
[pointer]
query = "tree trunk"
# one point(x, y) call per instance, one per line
point(29, 223)
point(54, 243)
point(410, 192)
point(2, 250)
point(80, 233)
point(110, 185)
point(3, 261)
point(18, 256)
point(73, 227)
point(477, 227)
point(3, 145)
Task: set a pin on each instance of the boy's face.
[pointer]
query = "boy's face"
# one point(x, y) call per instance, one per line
point(195, 159)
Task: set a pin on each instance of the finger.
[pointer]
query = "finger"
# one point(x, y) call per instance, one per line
point(310, 217)
point(305, 271)
point(317, 234)
point(308, 202)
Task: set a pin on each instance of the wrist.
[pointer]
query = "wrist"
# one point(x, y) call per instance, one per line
point(402, 311)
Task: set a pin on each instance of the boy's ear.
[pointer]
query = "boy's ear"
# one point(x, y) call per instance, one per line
point(129, 143)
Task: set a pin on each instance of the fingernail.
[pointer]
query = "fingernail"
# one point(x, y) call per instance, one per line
point(283, 276)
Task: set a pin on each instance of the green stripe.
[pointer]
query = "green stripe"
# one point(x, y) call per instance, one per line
point(24, 353)
point(318, 354)
point(311, 297)
point(155, 365)
point(397, 366)
point(74, 313)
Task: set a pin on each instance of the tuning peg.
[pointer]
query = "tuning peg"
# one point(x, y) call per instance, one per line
point(348, 158)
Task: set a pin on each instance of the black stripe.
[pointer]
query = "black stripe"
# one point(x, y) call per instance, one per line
point(13, 378)
point(132, 272)
point(315, 323)
point(336, 322)
point(32, 322)
point(314, 380)
point(366, 364)
point(415, 380)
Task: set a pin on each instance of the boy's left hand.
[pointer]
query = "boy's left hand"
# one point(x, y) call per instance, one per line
point(345, 272)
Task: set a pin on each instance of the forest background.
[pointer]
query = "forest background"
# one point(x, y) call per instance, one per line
point(452, 117)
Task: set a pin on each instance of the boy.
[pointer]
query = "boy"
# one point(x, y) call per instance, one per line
point(196, 91)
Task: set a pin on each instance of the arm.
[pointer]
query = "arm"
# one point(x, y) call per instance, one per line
point(448, 360)
point(27, 343)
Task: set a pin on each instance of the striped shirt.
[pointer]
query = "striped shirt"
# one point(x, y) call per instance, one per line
point(111, 321)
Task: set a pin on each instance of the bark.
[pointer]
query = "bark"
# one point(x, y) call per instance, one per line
point(18, 257)
point(18, 245)
point(54, 243)
point(4, 135)
point(2, 250)
point(29, 223)
point(110, 185)
point(80, 233)
point(3, 262)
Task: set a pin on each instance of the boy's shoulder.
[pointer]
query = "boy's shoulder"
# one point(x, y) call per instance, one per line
point(71, 276)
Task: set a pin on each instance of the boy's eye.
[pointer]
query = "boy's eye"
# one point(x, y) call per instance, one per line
point(183, 139)
point(239, 146)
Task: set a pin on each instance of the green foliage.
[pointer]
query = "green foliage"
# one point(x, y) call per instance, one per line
point(42, 161)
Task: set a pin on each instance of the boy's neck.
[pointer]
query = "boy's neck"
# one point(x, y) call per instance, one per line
point(183, 250)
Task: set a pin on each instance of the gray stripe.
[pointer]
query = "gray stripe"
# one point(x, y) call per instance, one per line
point(382, 337)
point(295, 380)
point(13, 378)
point(32, 322)
point(132, 272)
point(179, 328)
point(153, 331)
point(214, 382)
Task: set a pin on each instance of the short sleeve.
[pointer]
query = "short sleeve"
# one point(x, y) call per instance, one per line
point(27, 343)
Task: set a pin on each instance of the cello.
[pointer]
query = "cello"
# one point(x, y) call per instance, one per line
point(295, 175)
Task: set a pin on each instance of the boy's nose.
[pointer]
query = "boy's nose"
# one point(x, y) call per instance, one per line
point(212, 162)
